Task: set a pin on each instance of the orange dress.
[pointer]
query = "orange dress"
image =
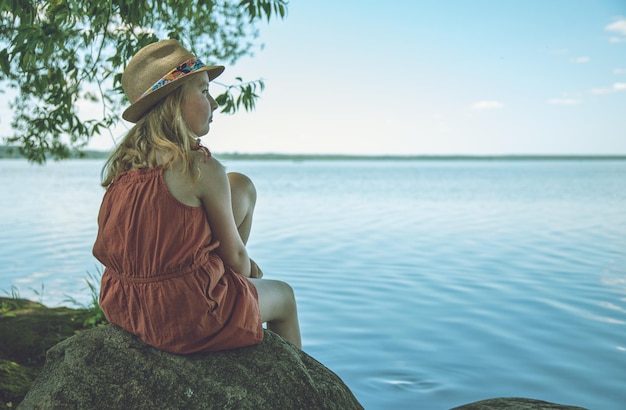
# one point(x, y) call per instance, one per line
point(163, 280)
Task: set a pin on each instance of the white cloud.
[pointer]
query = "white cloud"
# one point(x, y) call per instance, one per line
point(600, 91)
point(486, 105)
point(564, 101)
point(618, 27)
point(619, 71)
point(580, 60)
point(608, 90)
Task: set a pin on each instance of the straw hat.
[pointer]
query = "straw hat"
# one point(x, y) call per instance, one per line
point(157, 70)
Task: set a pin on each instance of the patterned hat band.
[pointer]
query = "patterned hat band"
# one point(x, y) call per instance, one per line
point(188, 67)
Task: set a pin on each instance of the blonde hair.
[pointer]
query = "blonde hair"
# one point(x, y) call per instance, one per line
point(160, 131)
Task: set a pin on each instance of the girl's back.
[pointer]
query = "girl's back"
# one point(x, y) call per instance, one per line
point(163, 281)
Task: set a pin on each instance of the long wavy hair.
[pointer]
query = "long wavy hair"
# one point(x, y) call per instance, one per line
point(161, 131)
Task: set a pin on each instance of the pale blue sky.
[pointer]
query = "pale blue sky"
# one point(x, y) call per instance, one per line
point(435, 77)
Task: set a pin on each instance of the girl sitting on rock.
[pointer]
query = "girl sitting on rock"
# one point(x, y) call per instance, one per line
point(173, 225)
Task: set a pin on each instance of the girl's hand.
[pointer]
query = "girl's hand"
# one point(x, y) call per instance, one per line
point(255, 271)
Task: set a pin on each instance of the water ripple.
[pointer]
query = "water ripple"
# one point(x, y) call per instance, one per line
point(434, 284)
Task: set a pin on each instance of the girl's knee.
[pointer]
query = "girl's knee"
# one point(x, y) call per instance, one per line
point(284, 294)
point(240, 184)
point(288, 295)
point(276, 299)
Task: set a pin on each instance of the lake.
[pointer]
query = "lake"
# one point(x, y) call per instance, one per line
point(422, 284)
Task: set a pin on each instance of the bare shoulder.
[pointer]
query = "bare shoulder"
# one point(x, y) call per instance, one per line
point(211, 173)
point(208, 164)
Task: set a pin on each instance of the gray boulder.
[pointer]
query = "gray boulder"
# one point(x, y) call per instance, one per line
point(515, 403)
point(109, 368)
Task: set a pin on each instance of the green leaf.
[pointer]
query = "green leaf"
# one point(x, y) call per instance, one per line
point(58, 53)
point(4, 62)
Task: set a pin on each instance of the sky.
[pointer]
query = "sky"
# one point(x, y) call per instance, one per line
point(445, 77)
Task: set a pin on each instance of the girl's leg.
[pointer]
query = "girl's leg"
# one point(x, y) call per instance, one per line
point(278, 308)
point(276, 299)
point(243, 196)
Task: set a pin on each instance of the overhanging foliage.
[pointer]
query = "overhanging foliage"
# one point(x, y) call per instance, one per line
point(58, 53)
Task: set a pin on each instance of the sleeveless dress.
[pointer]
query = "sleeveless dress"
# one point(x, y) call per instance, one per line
point(163, 280)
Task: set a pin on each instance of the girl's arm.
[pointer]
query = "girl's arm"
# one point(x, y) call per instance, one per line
point(213, 190)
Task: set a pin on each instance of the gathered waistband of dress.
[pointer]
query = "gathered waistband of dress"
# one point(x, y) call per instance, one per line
point(176, 273)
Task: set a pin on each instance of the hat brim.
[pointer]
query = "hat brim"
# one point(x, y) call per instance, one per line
point(137, 110)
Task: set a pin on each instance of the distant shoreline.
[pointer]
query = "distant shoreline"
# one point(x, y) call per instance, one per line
point(342, 157)
point(8, 153)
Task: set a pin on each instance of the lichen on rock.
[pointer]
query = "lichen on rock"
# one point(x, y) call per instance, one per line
point(110, 368)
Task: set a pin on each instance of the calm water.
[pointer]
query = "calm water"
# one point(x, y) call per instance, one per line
point(421, 284)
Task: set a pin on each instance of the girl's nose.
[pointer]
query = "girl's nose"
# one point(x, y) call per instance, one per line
point(213, 103)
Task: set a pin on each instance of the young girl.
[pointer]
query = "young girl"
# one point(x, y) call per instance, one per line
point(173, 224)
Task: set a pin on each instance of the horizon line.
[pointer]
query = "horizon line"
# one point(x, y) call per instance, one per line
point(7, 152)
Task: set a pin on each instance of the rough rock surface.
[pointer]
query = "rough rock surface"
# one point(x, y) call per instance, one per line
point(108, 368)
point(515, 403)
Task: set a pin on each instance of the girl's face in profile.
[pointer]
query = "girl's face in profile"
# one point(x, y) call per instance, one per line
point(198, 105)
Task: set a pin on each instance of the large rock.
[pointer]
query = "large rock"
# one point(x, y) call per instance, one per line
point(515, 403)
point(108, 368)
